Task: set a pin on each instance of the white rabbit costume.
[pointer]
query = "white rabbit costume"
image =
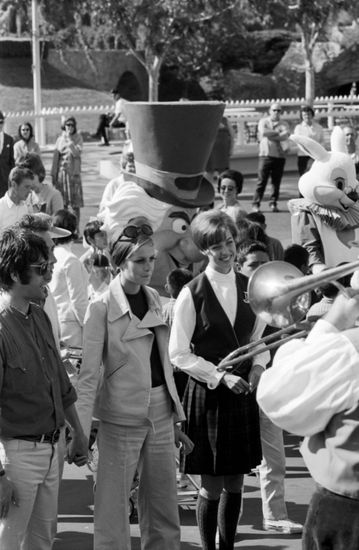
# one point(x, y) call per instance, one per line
point(326, 220)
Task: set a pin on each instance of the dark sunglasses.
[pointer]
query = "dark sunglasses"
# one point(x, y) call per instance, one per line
point(277, 110)
point(41, 268)
point(70, 125)
point(132, 231)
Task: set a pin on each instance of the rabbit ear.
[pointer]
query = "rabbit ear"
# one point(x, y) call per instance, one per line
point(311, 147)
point(337, 140)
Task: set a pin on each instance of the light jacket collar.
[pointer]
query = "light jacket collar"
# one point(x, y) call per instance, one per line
point(119, 306)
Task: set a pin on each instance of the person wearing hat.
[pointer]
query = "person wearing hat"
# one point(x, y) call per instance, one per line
point(137, 402)
point(66, 167)
point(172, 142)
point(7, 161)
point(116, 120)
point(309, 128)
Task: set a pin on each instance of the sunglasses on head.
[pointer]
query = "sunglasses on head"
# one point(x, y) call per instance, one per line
point(133, 231)
point(41, 268)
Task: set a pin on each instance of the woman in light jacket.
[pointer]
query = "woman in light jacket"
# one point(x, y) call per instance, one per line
point(66, 167)
point(26, 143)
point(137, 402)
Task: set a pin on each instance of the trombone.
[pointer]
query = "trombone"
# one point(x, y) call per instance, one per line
point(280, 295)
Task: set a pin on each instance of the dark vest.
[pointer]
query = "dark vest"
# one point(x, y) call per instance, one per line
point(214, 336)
point(332, 456)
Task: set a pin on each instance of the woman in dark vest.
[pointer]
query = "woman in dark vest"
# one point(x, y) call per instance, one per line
point(212, 319)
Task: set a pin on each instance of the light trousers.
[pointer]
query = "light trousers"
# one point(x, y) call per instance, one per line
point(272, 470)
point(34, 470)
point(149, 449)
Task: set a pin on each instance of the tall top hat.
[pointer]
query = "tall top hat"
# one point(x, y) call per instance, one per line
point(172, 142)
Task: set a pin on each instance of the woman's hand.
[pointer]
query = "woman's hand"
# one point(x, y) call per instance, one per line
point(254, 376)
point(235, 383)
point(182, 440)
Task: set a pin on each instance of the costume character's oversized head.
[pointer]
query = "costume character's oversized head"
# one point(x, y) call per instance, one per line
point(331, 191)
point(171, 144)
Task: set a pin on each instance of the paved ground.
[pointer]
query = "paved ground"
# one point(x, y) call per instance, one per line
point(75, 527)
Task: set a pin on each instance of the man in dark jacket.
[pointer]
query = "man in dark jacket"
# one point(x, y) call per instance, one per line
point(6, 156)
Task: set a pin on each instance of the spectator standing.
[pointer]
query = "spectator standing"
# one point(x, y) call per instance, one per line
point(274, 246)
point(222, 149)
point(100, 276)
point(36, 397)
point(117, 120)
point(309, 128)
point(7, 161)
point(66, 168)
point(96, 239)
point(273, 133)
point(13, 204)
point(230, 184)
point(137, 403)
point(26, 142)
point(69, 283)
point(351, 137)
point(250, 256)
point(212, 318)
point(43, 197)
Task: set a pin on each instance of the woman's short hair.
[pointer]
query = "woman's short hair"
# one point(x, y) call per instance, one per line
point(233, 175)
point(66, 220)
point(30, 128)
point(211, 227)
point(18, 250)
point(306, 109)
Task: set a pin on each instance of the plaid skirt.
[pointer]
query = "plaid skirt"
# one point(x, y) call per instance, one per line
point(70, 188)
point(224, 428)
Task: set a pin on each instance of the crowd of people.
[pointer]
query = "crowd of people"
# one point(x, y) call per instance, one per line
point(148, 371)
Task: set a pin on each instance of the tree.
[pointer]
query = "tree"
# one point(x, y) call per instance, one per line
point(311, 18)
point(152, 30)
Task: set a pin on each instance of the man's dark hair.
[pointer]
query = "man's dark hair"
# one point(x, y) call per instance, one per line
point(66, 220)
point(249, 247)
point(91, 229)
point(296, 255)
point(33, 162)
point(18, 250)
point(234, 175)
point(256, 217)
point(20, 173)
point(177, 278)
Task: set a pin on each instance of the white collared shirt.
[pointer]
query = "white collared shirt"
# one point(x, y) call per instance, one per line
point(312, 380)
point(10, 212)
point(184, 322)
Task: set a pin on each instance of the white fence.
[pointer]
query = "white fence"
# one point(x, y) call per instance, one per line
point(243, 115)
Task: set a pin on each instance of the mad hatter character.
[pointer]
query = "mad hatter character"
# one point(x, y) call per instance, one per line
point(326, 220)
point(171, 143)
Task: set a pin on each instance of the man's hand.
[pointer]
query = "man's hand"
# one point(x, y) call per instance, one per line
point(235, 383)
point(8, 496)
point(77, 451)
point(254, 376)
point(345, 310)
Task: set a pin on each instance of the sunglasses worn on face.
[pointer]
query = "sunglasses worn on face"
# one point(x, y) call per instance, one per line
point(277, 110)
point(70, 125)
point(132, 231)
point(41, 268)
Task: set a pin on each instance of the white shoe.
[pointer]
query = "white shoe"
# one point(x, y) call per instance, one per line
point(285, 526)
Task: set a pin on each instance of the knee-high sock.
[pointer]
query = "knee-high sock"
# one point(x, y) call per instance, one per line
point(206, 513)
point(228, 516)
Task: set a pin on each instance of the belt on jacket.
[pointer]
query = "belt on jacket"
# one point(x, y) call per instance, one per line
point(49, 437)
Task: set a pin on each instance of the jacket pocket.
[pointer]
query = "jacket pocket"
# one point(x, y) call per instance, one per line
point(110, 372)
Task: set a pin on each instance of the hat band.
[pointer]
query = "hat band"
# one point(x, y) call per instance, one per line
point(185, 186)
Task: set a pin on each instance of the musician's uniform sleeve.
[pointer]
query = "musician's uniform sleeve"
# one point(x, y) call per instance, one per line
point(312, 380)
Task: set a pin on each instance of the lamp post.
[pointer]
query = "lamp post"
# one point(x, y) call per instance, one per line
point(36, 73)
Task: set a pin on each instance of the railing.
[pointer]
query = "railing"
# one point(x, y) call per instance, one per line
point(243, 116)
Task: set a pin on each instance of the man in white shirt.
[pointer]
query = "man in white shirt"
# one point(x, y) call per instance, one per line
point(273, 133)
point(12, 205)
point(118, 120)
point(312, 390)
